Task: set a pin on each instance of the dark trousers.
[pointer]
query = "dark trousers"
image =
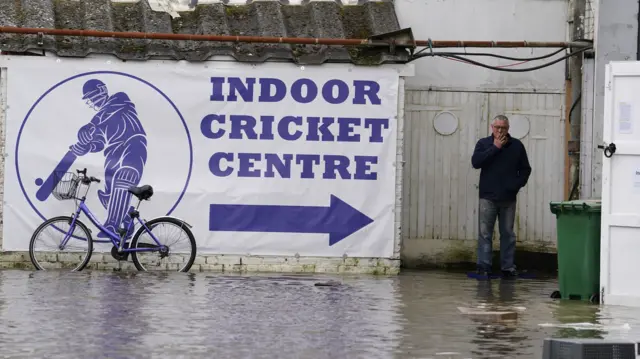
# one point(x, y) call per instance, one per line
point(505, 213)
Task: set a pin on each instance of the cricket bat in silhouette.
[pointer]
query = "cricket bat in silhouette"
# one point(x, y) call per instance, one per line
point(52, 181)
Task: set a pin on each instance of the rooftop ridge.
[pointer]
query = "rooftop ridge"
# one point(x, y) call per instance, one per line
point(315, 19)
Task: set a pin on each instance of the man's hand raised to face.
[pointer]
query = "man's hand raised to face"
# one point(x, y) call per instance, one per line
point(500, 141)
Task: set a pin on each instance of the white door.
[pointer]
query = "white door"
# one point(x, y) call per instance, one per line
point(620, 226)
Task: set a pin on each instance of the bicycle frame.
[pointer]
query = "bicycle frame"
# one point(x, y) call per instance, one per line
point(113, 238)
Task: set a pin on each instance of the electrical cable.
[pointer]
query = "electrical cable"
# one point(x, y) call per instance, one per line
point(573, 107)
point(497, 68)
point(574, 188)
point(494, 55)
point(476, 63)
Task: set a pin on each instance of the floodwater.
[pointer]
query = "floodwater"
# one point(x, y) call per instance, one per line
point(104, 314)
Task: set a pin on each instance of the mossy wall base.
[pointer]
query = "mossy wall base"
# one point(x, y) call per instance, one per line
point(461, 254)
point(233, 264)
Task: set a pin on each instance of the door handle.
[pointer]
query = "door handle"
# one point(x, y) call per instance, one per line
point(608, 150)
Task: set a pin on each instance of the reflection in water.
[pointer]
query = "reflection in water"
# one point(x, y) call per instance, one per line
point(119, 324)
point(567, 312)
point(497, 339)
point(201, 315)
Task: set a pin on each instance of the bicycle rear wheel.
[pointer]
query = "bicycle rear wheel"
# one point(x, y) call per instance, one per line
point(162, 228)
point(76, 253)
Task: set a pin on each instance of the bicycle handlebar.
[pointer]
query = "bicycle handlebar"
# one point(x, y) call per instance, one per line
point(85, 178)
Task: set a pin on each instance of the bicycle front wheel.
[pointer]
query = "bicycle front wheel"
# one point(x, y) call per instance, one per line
point(44, 248)
point(170, 232)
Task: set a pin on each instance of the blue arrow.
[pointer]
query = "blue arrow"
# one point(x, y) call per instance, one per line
point(339, 220)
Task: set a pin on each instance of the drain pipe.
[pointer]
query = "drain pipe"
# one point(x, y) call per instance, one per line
point(293, 40)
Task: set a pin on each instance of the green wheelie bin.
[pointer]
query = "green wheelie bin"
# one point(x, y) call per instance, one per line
point(578, 228)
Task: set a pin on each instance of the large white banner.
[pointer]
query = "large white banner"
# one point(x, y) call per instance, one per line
point(272, 159)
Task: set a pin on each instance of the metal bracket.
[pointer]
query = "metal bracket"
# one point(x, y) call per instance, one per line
point(40, 38)
point(392, 47)
point(399, 39)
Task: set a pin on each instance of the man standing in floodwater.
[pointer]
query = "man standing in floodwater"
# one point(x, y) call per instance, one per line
point(504, 170)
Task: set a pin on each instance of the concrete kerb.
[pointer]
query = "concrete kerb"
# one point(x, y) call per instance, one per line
point(226, 263)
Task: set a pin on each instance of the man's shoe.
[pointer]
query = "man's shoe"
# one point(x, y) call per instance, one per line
point(510, 274)
point(483, 274)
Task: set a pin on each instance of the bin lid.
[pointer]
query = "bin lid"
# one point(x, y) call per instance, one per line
point(578, 205)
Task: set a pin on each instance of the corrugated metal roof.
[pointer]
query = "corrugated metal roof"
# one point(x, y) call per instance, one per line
point(318, 19)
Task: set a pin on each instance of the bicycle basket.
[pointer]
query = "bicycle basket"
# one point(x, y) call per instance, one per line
point(67, 185)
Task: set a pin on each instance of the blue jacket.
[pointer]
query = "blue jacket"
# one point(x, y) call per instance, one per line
point(503, 171)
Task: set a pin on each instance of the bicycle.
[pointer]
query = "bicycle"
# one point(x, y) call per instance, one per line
point(69, 187)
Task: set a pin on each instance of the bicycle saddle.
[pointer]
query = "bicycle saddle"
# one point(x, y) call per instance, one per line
point(142, 193)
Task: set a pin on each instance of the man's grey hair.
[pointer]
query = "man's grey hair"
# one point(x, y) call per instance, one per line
point(500, 118)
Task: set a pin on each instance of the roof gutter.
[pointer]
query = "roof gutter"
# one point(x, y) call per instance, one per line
point(294, 40)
